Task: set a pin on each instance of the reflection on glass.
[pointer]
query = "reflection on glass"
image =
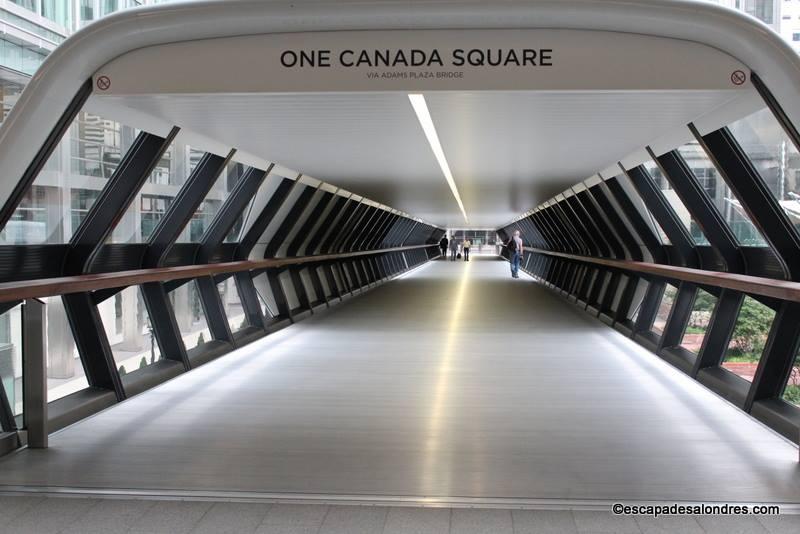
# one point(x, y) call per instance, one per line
point(664, 307)
point(189, 313)
point(749, 338)
point(792, 391)
point(699, 320)
point(677, 204)
point(129, 330)
point(69, 183)
point(11, 357)
point(205, 213)
point(232, 304)
point(775, 156)
point(720, 194)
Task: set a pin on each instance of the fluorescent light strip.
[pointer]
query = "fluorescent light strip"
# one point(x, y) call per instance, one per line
point(425, 120)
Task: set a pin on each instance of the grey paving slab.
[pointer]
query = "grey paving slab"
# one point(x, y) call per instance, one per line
point(543, 522)
point(468, 521)
point(14, 506)
point(49, 516)
point(171, 517)
point(354, 520)
point(287, 529)
point(407, 520)
point(781, 524)
point(669, 524)
point(728, 524)
point(232, 518)
point(296, 515)
point(110, 516)
point(454, 382)
point(604, 522)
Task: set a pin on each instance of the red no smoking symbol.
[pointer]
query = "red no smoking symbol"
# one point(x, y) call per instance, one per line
point(738, 77)
point(104, 83)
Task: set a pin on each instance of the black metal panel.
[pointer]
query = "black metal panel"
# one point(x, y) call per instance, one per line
point(92, 343)
point(720, 330)
point(118, 257)
point(589, 232)
point(351, 227)
point(338, 225)
point(604, 204)
point(755, 197)
point(164, 324)
point(184, 206)
point(710, 258)
point(779, 355)
point(224, 252)
point(603, 227)
point(29, 262)
point(662, 211)
point(289, 221)
point(702, 208)
point(213, 309)
point(44, 153)
point(361, 229)
point(294, 247)
point(261, 222)
point(114, 199)
point(638, 223)
point(678, 316)
point(240, 196)
point(181, 254)
point(761, 261)
point(327, 224)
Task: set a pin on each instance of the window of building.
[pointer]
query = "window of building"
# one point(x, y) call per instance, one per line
point(749, 338)
point(796, 37)
point(774, 155)
point(721, 195)
point(677, 204)
point(129, 330)
point(664, 308)
point(699, 321)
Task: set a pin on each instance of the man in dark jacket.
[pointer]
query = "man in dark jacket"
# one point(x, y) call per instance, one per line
point(443, 246)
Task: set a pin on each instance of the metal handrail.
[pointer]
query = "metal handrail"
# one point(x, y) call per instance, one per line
point(755, 285)
point(50, 287)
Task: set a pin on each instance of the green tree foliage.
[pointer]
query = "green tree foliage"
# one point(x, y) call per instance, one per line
point(143, 363)
point(704, 301)
point(752, 328)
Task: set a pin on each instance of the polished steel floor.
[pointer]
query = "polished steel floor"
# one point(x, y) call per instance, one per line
point(453, 385)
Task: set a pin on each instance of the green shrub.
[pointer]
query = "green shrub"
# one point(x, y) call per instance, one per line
point(142, 362)
point(792, 394)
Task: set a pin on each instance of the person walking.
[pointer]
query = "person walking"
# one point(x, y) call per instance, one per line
point(465, 246)
point(453, 249)
point(515, 250)
point(443, 246)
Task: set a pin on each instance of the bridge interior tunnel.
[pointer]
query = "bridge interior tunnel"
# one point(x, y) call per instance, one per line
point(229, 236)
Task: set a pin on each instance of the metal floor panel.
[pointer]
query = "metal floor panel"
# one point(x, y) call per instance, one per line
point(453, 384)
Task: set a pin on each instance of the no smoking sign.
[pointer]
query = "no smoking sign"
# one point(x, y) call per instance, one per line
point(738, 77)
point(103, 83)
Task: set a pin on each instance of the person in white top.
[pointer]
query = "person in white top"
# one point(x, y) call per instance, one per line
point(516, 251)
point(465, 246)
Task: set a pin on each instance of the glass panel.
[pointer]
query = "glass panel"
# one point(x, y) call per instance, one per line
point(153, 200)
point(717, 189)
point(699, 319)
point(65, 373)
point(775, 157)
point(268, 306)
point(791, 393)
point(189, 313)
point(129, 331)
point(749, 338)
point(69, 183)
point(213, 202)
point(677, 204)
point(234, 311)
point(667, 300)
point(11, 357)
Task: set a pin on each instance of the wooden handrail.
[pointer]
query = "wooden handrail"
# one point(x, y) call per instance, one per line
point(756, 285)
point(50, 287)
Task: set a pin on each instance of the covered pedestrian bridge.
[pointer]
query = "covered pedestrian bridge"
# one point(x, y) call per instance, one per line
point(221, 276)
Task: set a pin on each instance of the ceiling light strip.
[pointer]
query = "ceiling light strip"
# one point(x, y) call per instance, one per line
point(425, 120)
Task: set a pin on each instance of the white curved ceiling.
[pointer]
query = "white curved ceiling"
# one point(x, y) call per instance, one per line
point(508, 151)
